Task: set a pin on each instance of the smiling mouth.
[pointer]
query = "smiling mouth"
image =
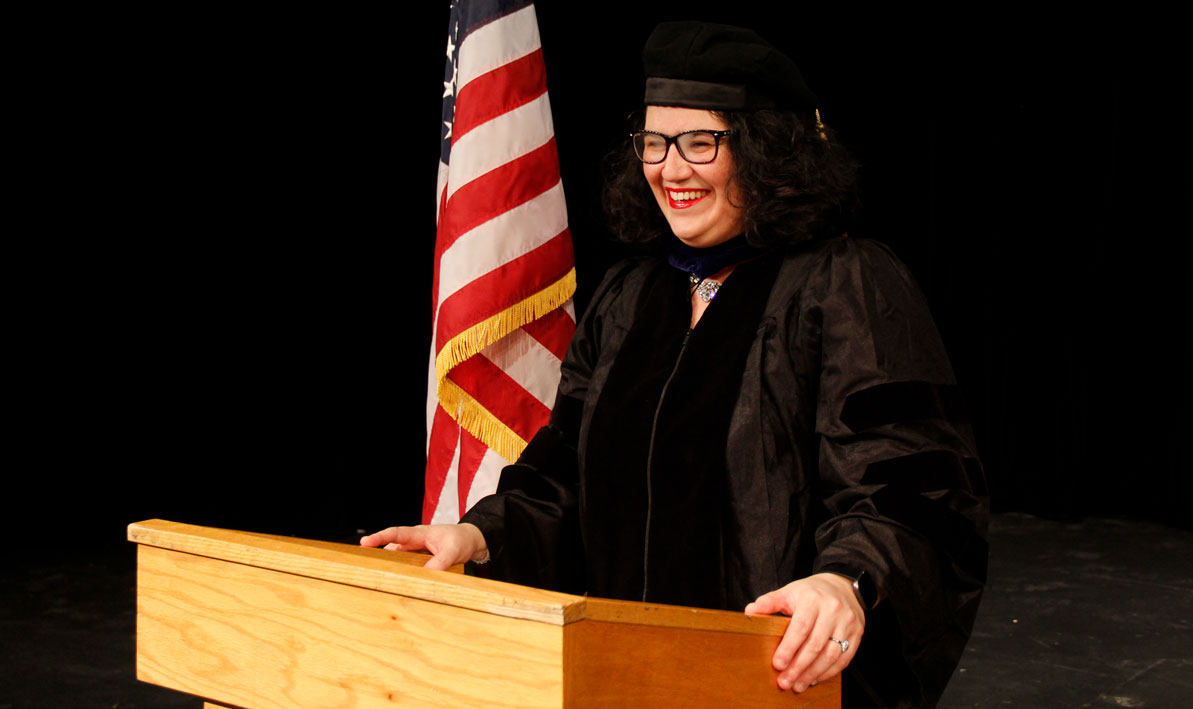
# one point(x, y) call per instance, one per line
point(682, 199)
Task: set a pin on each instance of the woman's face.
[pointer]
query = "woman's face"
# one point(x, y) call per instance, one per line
point(695, 199)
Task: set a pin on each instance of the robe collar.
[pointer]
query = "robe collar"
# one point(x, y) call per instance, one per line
point(702, 263)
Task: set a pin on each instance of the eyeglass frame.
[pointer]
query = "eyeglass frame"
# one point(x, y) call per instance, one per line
point(674, 140)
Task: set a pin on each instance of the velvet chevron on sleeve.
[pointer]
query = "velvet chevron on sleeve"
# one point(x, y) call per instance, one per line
point(900, 479)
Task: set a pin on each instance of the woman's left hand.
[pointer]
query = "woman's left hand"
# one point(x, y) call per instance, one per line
point(823, 610)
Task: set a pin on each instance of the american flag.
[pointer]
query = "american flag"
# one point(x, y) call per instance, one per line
point(504, 271)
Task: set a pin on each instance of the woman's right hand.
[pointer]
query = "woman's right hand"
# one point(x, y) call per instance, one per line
point(450, 544)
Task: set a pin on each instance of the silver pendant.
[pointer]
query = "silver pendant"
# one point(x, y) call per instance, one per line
point(705, 288)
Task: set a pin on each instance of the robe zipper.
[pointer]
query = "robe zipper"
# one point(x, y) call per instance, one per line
point(654, 424)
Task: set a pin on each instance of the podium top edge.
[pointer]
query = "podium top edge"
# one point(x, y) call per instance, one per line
point(401, 573)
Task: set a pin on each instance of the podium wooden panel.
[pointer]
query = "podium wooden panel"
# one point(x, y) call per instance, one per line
point(260, 621)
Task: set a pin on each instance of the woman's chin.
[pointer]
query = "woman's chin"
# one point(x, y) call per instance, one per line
point(702, 240)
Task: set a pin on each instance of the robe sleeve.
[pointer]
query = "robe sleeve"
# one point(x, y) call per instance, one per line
point(898, 470)
point(531, 524)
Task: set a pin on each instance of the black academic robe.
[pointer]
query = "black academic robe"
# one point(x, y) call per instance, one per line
point(845, 443)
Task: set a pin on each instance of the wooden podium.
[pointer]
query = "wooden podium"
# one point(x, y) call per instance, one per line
point(255, 620)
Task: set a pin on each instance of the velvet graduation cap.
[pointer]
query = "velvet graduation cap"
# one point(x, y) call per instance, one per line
point(720, 67)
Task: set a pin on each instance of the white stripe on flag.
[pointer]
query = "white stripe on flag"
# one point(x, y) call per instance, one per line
point(440, 184)
point(534, 367)
point(496, 44)
point(503, 139)
point(486, 478)
point(447, 507)
point(501, 240)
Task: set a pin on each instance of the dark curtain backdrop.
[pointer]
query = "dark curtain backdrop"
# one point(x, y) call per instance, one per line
point(227, 315)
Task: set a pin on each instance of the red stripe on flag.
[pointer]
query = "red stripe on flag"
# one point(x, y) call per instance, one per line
point(553, 331)
point(472, 451)
point(441, 448)
point(499, 91)
point(501, 396)
point(504, 286)
point(496, 192)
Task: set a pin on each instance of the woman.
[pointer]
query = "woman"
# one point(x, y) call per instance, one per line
point(763, 419)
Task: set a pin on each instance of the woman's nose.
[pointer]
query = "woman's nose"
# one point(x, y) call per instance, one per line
point(675, 168)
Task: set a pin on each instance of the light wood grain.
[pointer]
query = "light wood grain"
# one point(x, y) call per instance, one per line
point(254, 620)
point(261, 638)
point(376, 569)
point(632, 665)
point(657, 615)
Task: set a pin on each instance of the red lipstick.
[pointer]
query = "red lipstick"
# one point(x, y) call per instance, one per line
point(685, 203)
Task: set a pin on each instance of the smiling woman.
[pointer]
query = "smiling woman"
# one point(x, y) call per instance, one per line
point(788, 174)
point(761, 415)
point(694, 197)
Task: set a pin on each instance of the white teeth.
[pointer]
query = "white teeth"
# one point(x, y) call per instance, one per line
point(688, 196)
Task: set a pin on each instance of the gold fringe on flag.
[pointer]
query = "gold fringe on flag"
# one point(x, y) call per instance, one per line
point(462, 407)
point(498, 325)
point(479, 421)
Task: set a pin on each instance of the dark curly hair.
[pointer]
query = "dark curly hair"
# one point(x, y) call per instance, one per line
point(795, 180)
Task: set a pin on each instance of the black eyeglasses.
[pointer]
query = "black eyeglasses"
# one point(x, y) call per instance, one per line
point(698, 147)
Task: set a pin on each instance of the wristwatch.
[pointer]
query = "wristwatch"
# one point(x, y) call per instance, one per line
point(863, 585)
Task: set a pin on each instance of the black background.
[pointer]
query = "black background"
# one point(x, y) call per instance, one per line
point(221, 308)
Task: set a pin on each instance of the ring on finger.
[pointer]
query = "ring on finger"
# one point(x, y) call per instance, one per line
point(843, 643)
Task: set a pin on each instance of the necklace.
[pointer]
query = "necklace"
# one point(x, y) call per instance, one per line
point(706, 288)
